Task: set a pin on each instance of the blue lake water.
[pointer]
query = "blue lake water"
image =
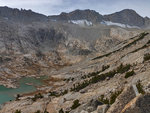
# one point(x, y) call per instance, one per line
point(7, 94)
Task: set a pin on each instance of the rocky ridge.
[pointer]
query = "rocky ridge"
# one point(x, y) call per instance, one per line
point(126, 17)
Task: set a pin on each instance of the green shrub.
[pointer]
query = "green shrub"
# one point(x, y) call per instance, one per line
point(37, 96)
point(141, 36)
point(80, 86)
point(1, 59)
point(17, 97)
point(61, 111)
point(56, 94)
point(18, 111)
point(75, 104)
point(140, 87)
point(129, 74)
point(103, 100)
point(122, 69)
point(64, 92)
point(105, 67)
point(97, 78)
point(148, 42)
point(90, 75)
point(53, 93)
point(69, 79)
point(38, 111)
point(46, 111)
point(95, 73)
point(147, 57)
point(114, 96)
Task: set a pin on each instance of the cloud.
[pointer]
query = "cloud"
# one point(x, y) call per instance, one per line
point(29, 2)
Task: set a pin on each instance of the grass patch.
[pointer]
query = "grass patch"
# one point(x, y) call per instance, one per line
point(75, 104)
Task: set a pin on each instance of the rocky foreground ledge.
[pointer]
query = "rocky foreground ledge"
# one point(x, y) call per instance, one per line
point(126, 102)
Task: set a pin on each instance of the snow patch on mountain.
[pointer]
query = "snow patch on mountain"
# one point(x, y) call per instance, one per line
point(109, 23)
point(81, 22)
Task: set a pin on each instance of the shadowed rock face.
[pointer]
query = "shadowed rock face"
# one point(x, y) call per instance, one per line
point(140, 104)
point(125, 97)
point(28, 38)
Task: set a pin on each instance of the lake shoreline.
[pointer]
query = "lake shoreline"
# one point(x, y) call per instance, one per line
point(21, 87)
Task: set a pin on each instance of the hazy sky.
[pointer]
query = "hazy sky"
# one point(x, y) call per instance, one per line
point(51, 7)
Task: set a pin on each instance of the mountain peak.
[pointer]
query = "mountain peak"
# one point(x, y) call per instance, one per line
point(126, 16)
point(128, 10)
point(78, 14)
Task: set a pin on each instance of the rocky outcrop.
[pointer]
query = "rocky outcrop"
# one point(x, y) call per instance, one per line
point(102, 109)
point(25, 106)
point(125, 97)
point(140, 104)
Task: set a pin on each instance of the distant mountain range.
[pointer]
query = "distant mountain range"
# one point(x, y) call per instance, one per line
point(126, 17)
